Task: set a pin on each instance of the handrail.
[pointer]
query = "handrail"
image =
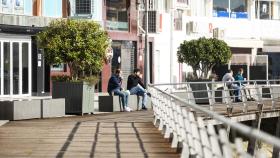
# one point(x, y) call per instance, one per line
point(216, 82)
point(251, 132)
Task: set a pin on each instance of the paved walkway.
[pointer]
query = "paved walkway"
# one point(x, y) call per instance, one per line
point(107, 135)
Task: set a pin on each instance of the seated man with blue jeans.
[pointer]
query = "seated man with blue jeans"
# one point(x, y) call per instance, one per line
point(230, 83)
point(136, 87)
point(114, 88)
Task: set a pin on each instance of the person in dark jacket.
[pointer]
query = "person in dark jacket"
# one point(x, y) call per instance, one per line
point(114, 88)
point(136, 87)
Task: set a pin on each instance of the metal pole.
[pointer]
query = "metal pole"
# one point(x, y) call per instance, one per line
point(171, 45)
point(146, 61)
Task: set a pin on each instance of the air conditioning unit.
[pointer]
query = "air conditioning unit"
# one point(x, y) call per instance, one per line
point(191, 27)
point(218, 33)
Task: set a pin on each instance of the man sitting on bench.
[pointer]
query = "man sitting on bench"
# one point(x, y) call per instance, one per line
point(114, 88)
point(229, 80)
point(136, 87)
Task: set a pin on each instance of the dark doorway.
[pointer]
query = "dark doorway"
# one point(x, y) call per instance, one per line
point(151, 62)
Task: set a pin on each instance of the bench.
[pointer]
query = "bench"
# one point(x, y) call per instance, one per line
point(113, 103)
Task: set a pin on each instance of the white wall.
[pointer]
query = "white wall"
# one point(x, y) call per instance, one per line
point(162, 51)
point(236, 30)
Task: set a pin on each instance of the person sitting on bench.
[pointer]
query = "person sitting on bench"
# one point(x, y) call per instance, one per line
point(229, 80)
point(239, 77)
point(136, 87)
point(114, 88)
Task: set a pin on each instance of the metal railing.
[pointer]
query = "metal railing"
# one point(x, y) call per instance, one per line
point(213, 93)
point(177, 117)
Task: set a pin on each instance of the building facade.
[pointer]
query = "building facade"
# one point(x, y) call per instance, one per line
point(23, 70)
point(249, 27)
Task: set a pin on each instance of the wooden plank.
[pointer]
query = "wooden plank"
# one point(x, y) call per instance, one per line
point(45, 138)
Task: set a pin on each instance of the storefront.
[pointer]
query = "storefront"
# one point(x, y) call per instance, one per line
point(23, 70)
point(15, 64)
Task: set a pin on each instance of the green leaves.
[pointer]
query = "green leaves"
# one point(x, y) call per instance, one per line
point(81, 44)
point(203, 54)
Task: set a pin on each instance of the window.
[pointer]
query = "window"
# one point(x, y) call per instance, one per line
point(183, 1)
point(7, 69)
point(152, 5)
point(83, 6)
point(58, 67)
point(15, 67)
point(117, 14)
point(238, 9)
point(278, 11)
point(263, 10)
point(230, 8)
point(178, 19)
point(52, 8)
point(25, 68)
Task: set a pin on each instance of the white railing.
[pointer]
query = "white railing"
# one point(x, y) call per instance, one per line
point(215, 93)
point(178, 119)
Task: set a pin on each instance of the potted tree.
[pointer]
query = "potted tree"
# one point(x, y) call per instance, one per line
point(82, 45)
point(202, 55)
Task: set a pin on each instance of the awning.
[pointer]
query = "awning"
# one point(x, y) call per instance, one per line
point(245, 43)
point(15, 29)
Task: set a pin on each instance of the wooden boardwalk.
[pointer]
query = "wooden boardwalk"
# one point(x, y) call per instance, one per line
point(117, 135)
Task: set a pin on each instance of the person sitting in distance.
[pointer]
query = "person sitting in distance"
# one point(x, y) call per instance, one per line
point(239, 77)
point(114, 88)
point(229, 80)
point(136, 87)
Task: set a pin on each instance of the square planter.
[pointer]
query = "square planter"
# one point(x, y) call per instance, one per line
point(201, 91)
point(20, 110)
point(79, 96)
point(52, 108)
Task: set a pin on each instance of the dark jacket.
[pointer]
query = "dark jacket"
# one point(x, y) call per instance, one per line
point(133, 80)
point(114, 83)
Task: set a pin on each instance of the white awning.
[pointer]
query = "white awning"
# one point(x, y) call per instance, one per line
point(244, 43)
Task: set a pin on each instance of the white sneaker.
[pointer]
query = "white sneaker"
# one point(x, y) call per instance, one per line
point(127, 109)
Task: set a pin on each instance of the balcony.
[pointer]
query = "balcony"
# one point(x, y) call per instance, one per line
point(25, 20)
point(237, 28)
point(116, 25)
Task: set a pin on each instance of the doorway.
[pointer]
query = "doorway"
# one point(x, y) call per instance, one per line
point(15, 65)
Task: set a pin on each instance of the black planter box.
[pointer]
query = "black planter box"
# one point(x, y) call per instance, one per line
point(200, 87)
point(79, 96)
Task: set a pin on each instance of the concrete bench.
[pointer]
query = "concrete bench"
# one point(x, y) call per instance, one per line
point(31, 109)
point(113, 103)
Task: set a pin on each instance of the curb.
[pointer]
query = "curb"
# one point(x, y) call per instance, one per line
point(2, 122)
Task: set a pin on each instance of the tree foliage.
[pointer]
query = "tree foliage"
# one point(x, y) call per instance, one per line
point(81, 44)
point(203, 54)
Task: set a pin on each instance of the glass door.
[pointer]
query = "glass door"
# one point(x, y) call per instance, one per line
point(15, 66)
point(7, 67)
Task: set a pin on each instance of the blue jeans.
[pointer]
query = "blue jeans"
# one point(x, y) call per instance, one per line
point(122, 94)
point(140, 91)
point(237, 91)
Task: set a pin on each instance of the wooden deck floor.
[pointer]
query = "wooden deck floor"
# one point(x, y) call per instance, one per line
point(108, 135)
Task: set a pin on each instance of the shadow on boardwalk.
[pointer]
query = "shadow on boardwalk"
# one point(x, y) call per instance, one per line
point(106, 135)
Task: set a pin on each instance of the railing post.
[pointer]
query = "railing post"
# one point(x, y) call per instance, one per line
point(252, 145)
point(276, 151)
